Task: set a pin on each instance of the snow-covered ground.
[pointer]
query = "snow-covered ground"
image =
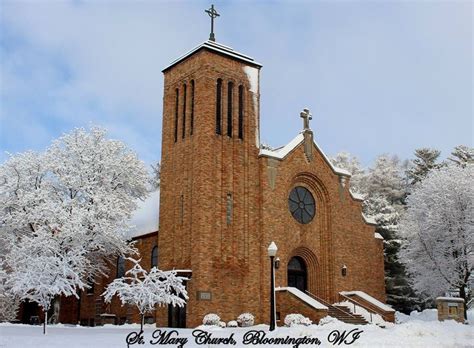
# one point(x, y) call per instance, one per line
point(416, 330)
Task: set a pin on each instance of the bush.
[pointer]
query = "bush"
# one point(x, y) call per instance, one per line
point(211, 319)
point(297, 319)
point(327, 320)
point(246, 319)
point(222, 324)
point(232, 323)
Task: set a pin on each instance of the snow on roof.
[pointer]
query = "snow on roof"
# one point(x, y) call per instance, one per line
point(215, 47)
point(302, 296)
point(369, 220)
point(357, 196)
point(452, 299)
point(368, 298)
point(283, 151)
point(378, 236)
point(145, 218)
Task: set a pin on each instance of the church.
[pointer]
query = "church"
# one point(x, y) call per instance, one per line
point(224, 199)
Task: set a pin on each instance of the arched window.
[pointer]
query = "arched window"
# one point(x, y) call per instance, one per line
point(241, 112)
point(230, 90)
point(154, 257)
point(219, 107)
point(120, 267)
point(176, 116)
point(184, 110)
point(192, 107)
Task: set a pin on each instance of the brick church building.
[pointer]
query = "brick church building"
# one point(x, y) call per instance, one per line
point(223, 199)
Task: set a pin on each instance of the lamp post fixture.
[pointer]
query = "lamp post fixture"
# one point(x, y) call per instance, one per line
point(272, 250)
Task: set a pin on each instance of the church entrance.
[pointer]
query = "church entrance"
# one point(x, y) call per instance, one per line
point(297, 274)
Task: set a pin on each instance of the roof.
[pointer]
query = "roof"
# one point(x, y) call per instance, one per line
point(283, 151)
point(145, 218)
point(219, 49)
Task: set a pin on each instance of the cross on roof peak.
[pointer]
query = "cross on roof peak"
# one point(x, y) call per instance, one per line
point(306, 116)
point(213, 14)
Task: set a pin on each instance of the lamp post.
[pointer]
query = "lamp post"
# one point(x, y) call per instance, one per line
point(272, 250)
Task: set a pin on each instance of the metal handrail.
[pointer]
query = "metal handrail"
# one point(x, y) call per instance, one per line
point(354, 302)
point(329, 305)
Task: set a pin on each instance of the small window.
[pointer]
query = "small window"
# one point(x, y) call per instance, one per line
point(176, 116)
point(91, 283)
point(192, 107)
point(219, 107)
point(230, 92)
point(120, 267)
point(181, 209)
point(154, 257)
point(229, 209)
point(241, 112)
point(184, 110)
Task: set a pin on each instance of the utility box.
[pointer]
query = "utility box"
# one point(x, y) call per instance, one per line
point(450, 308)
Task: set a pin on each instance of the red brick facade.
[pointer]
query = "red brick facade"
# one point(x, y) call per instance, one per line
point(223, 200)
point(200, 171)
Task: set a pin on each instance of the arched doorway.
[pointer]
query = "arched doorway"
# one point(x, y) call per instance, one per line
point(297, 274)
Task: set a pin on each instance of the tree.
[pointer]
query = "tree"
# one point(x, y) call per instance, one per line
point(74, 200)
point(426, 160)
point(439, 232)
point(9, 303)
point(40, 270)
point(350, 163)
point(155, 179)
point(462, 155)
point(145, 289)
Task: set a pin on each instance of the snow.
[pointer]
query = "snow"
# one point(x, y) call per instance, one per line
point(357, 196)
point(378, 236)
point(416, 330)
point(368, 298)
point(452, 299)
point(368, 316)
point(302, 296)
point(369, 220)
point(146, 217)
point(252, 75)
point(282, 152)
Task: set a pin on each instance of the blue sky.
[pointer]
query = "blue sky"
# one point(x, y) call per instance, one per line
point(378, 76)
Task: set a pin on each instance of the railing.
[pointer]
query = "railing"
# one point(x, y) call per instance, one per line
point(327, 304)
point(354, 302)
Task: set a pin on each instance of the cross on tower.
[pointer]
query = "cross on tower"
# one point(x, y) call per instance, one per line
point(213, 14)
point(306, 116)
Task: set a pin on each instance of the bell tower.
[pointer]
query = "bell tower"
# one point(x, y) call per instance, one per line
point(210, 179)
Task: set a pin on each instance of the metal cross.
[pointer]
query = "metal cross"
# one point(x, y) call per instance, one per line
point(307, 116)
point(213, 14)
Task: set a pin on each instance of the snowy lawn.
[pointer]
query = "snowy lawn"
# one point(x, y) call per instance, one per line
point(417, 330)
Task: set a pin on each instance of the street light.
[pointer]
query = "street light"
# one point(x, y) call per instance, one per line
point(272, 250)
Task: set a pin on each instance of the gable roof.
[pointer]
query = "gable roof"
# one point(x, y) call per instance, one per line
point(283, 151)
point(219, 49)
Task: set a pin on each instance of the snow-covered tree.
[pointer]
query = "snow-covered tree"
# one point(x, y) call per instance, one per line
point(9, 303)
point(345, 160)
point(462, 155)
point(156, 174)
point(439, 232)
point(145, 290)
point(426, 160)
point(40, 270)
point(74, 200)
